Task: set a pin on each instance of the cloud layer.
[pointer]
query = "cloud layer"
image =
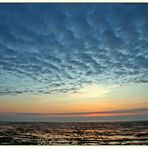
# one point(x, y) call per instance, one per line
point(58, 48)
point(117, 115)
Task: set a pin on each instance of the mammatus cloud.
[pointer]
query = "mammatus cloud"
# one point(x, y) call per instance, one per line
point(58, 48)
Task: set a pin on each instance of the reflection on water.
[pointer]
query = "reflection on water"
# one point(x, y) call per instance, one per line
point(113, 133)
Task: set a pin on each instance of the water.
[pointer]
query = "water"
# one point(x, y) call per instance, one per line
point(74, 133)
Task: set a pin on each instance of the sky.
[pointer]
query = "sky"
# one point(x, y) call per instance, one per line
point(73, 62)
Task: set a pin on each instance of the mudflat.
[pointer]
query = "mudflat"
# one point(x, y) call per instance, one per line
point(74, 133)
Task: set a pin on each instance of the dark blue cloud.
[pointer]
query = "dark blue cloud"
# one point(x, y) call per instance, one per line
point(53, 48)
point(121, 115)
point(128, 111)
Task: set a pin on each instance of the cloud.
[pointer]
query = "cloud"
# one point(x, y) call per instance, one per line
point(91, 91)
point(138, 111)
point(58, 48)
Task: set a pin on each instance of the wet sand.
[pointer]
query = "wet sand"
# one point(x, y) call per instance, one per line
point(100, 133)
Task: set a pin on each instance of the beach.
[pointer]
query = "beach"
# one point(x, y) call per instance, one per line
point(74, 133)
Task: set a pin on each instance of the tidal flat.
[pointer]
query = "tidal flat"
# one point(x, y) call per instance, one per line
point(74, 133)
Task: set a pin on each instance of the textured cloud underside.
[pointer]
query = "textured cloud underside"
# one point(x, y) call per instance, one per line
point(58, 48)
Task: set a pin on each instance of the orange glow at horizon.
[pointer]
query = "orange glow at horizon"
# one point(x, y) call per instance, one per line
point(88, 99)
